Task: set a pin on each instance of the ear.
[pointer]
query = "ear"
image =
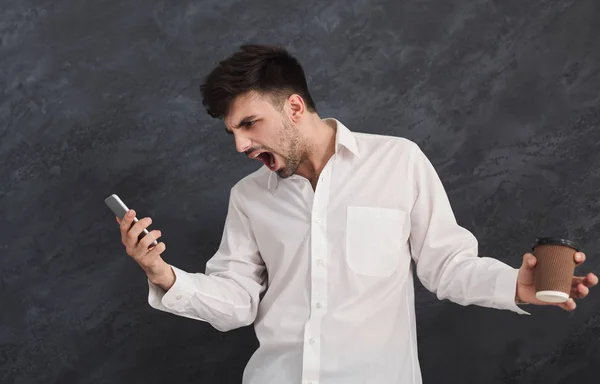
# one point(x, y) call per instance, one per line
point(297, 107)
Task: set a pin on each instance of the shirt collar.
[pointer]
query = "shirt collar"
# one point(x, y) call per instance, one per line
point(343, 138)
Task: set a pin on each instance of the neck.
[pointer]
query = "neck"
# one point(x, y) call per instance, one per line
point(320, 139)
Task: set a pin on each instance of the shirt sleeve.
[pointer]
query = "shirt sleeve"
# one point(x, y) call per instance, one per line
point(446, 254)
point(228, 294)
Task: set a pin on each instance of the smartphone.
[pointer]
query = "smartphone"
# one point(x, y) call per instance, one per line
point(120, 209)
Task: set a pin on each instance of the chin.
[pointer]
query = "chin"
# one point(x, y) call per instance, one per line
point(286, 171)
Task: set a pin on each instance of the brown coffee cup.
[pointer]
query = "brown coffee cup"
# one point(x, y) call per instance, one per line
point(554, 270)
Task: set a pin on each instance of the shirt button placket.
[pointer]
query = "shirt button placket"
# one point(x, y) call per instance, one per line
point(318, 278)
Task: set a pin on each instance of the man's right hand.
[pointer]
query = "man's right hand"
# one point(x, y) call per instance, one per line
point(147, 257)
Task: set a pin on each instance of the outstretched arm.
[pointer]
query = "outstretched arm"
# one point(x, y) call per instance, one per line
point(446, 254)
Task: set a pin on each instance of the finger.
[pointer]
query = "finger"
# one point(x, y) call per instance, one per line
point(579, 258)
point(157, 250)
point(149, 238)
point(127, 220)
point(583, 290)
point(125, 224)
point(590, 280)
point(568, 305)
point(529, 260)
point(148, 258)
point(580, 291)
point(133, 236)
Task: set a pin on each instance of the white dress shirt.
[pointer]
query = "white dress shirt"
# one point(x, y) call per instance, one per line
point(338, 304)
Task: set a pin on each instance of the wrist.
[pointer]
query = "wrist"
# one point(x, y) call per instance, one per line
point(164, 277)
point(518, 299)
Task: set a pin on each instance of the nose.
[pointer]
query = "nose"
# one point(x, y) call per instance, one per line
point(242, 143)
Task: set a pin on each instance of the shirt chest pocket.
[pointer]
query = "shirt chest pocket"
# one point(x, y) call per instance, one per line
point(375, 239)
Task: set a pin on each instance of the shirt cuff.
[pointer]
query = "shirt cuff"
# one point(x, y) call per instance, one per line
point(506, 289)
point(177, 298)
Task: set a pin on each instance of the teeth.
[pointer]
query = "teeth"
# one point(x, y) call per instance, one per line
point(272, 161)
point(256, 155)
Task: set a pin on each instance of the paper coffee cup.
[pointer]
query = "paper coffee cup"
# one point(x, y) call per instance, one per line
point(554, 270)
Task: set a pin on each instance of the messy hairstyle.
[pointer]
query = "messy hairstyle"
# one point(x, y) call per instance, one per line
point(268, 70)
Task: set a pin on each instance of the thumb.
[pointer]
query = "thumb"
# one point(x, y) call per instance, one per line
point(529, 261)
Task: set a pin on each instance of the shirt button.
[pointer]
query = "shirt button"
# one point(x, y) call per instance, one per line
point(319, 262)
point(318, 220)
point(311, 341)
point(319, 305)
point(178, 297)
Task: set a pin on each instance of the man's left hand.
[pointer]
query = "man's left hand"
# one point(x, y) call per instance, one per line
point(526, 288)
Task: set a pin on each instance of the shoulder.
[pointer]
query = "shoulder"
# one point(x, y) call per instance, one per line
point(253, 182)
point(370, 142)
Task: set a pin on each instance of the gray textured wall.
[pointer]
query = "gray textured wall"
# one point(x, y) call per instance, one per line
point(101, 97)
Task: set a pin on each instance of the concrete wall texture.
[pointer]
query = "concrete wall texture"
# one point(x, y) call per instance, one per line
point(101, 97)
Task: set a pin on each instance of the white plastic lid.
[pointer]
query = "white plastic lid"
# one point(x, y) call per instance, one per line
point(552, 296)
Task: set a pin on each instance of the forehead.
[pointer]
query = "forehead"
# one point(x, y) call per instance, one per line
point(247, 105)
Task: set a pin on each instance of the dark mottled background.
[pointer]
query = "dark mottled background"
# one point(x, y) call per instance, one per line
point(101, 97)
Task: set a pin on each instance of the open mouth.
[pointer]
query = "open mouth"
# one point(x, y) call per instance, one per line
point(267, 158)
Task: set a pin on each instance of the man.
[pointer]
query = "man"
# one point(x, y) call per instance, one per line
point(318, 242)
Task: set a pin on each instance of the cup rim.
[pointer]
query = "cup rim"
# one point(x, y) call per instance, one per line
point(554, 241)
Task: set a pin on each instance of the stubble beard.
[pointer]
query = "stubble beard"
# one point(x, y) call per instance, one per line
point(295, 149)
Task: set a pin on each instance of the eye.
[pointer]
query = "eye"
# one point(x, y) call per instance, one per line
point(249, 124)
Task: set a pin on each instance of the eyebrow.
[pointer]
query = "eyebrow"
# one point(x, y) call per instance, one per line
point(245, 120)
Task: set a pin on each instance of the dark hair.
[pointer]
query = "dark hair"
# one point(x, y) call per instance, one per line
point(268, 70)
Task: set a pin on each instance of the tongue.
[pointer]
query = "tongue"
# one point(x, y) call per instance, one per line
point(266, 159)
